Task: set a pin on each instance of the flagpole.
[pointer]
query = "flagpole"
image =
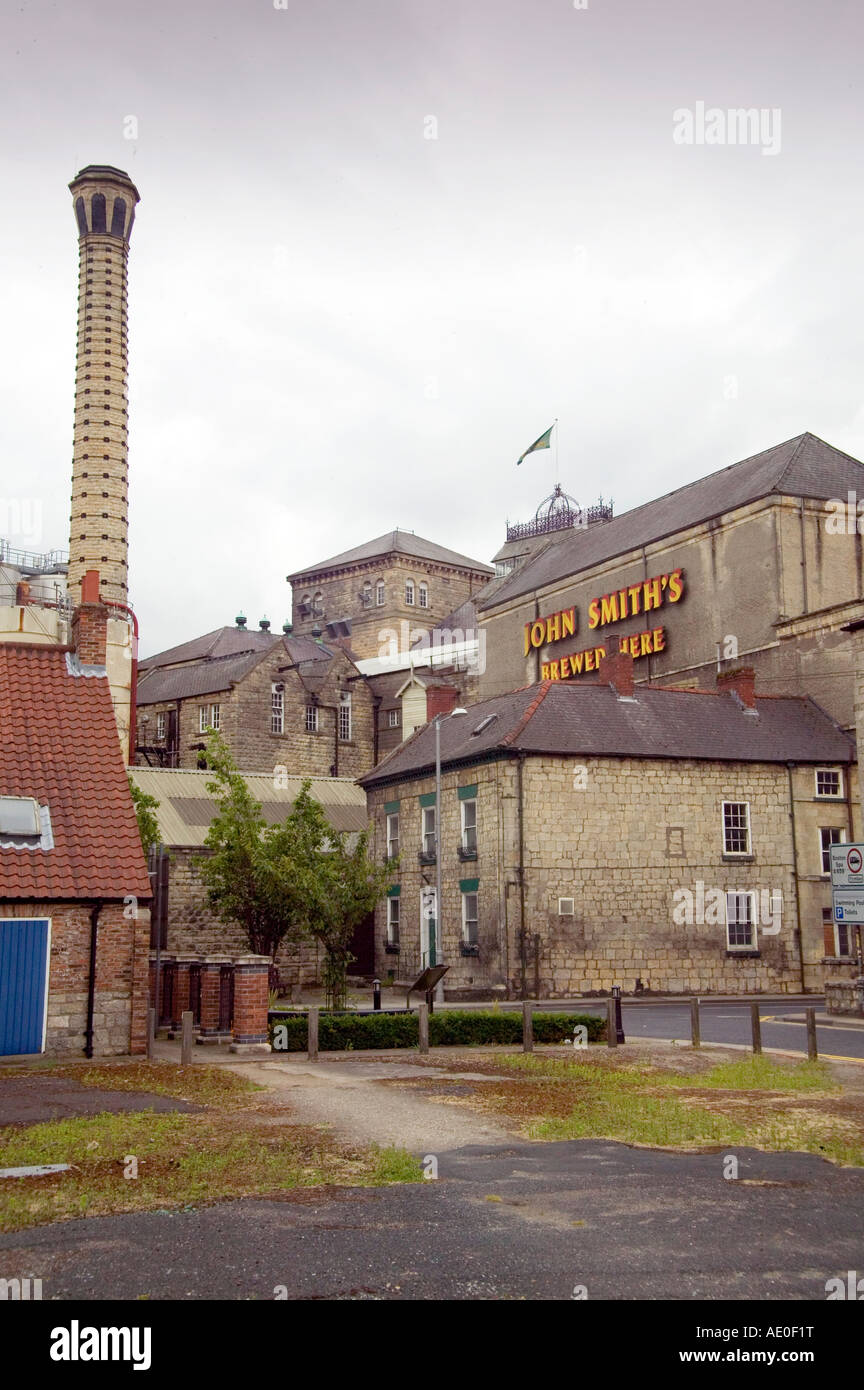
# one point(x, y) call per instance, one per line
point(557, 477)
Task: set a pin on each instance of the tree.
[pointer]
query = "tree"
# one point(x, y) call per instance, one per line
point(246, 877)
point(146, 807)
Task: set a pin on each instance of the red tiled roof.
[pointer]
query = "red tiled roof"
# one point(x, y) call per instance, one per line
point(59, 744)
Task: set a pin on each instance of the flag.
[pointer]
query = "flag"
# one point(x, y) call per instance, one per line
point(544, 442)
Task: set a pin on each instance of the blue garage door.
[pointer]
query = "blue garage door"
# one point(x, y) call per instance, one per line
point(23, 983)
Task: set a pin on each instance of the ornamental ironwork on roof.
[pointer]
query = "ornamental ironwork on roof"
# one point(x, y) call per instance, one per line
point(558, 512)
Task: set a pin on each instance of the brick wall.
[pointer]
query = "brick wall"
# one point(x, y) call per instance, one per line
point(120, 1013)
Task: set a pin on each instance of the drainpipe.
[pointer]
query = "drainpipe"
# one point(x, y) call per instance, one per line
point(95, 909)
point(522, 965)
point(789, 767)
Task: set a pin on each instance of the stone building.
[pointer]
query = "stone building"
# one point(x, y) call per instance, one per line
point(757, 563)
point(74, 889)
point(603, 834)
point(279, 701)
point(186, 809)
point(385, 593)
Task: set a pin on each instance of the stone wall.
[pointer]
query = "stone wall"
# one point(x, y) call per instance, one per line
point(120, 1012)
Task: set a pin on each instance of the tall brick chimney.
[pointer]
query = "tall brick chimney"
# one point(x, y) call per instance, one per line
point(440, 699)
point(104, 200)
point(742, 681)
point(90, 623)
point(617, 669)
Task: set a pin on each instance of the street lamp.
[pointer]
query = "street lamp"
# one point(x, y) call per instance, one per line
point(439, 935)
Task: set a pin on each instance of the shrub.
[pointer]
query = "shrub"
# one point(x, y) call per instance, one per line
point(453, 1028)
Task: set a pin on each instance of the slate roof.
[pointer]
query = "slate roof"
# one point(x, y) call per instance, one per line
point(199, 678)
point(186, 807)
point(400, 542)
point(222, 641)
point(60, 745)
point(801, 467)
point(578, 719)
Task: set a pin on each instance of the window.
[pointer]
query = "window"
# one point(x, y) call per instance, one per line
point(828, 782)
point(345, 718)
point(428, 829)
point(161, 720)
point(736, 827)
point(393, 719)
point(839, 936)
point(277, 709)
point(409, 592)
point(469, 825)
point(393, 921)
point(829, 835)
point(423, 596)
point(469, 919)
point(366, 594)
point(740, 930)
point(392, 834)
point(19, 815)
point(379, 595)
point(311, 719)
point(566, 907)
point(209, 717)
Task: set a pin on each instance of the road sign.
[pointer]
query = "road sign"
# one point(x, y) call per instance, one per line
point(847, 882)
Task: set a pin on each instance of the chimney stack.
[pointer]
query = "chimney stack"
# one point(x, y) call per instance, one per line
point(90, 623)
point(742, 682)
point(104, 200)
point(440, 699)
point(617, 669)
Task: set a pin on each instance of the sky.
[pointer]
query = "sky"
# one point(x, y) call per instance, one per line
point(382, 246)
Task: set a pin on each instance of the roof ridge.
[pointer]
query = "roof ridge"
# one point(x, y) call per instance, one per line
point(795, 452)
point(528, 713)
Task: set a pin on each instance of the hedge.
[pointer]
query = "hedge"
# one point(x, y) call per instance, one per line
point(457, 1028)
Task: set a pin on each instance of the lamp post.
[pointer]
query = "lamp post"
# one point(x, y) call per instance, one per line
point(438, 953)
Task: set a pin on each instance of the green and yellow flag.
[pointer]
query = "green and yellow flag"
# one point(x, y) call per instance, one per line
point(544, 442)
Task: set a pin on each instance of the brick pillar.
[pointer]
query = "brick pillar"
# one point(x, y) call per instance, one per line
point(183, 963)
point(211, 977)
point(251, 998)
point(166, 964)
point(440, 699)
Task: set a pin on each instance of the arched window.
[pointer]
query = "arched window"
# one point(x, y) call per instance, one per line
point(379, 593)
point(409, 592)
point(423, 596)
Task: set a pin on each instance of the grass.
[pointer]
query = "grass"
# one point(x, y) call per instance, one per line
point(739, 1102)
point(235, 1146)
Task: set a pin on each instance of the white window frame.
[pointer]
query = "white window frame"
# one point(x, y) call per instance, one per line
point(429, 817)
point(422, 595)
point(825, 849)
point(465, 828)
point(311, 719)
point(830, 772)
point(345, 718)
point(566, 907)
point(737, 853)
point(392, 719)
point(277, 708)
point(393, 920)
point(753, 944)
point(380, 594)
point(467, 938)
point(391, 830)
point(410, 592)
point(209, 717)
point(161, 724)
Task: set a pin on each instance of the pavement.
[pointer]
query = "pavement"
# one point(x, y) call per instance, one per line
point(517, 1221)
point(34, 1098)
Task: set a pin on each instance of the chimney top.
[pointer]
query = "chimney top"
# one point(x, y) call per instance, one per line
point(740, 682)
point(264, 624)
point(240, 620)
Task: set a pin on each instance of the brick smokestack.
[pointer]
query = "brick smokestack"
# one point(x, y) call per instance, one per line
point(104, 199)
point(90, 623)
point(742, 681)
point(440, 699)
point(617, 669)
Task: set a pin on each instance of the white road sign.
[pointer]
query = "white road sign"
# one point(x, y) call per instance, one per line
point(847, 882)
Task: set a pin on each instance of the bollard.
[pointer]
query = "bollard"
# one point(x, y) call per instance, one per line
point(423, 1026)
point(756, 1028)
point(312, 1036)
point(186, 1038)
point(527, 1027)
point(151, 1031)
point(619, 1026)
point(611, 1024)
point(812, 1049)
point(376, 994)
point(695, 1035)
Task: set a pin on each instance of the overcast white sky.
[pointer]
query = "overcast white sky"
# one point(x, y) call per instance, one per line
point(339, 325)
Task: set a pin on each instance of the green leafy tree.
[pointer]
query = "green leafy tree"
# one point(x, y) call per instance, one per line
point(146, 807)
